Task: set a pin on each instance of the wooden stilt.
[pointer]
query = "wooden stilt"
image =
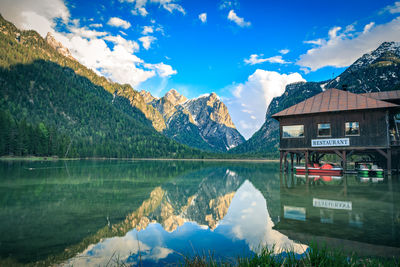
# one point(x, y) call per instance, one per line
point(389, 161)
point(344, 161)
point(285, 164)
point(280, 160)
point(291, 160)
point(306, 160)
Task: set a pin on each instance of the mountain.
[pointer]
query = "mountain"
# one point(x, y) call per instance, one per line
point(373, 72)
point(56, 45)
point(203, 122)
point(215, 131)
point(50, 104)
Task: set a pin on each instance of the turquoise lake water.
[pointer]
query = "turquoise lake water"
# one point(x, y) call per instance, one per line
point(91, 213)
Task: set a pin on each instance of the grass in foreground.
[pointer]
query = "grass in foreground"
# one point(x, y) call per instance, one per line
point(314, 256)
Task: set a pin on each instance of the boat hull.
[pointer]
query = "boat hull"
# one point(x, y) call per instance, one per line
point(319, 171)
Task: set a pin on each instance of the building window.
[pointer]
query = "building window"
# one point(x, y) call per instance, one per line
point(293, 131)
point(324, 129)
point(352, 128)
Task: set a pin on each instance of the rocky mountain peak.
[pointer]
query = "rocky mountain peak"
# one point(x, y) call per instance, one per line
point(147, 97)
point(386, 48)
point(212, 98)
point(174, 97)
point(51, 40)
point(203, 122)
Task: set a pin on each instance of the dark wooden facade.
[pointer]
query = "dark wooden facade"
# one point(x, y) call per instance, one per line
point(378, 135)
point(373, 125)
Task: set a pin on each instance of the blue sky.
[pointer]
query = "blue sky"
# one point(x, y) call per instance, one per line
point(245, 51)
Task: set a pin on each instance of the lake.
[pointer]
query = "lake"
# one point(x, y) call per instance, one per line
point(99, 212)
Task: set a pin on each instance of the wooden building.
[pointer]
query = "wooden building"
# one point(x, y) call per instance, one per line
point(342, 123)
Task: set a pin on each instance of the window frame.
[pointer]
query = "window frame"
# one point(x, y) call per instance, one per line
point(330, 129)
point(285, 137)
point(359, 130)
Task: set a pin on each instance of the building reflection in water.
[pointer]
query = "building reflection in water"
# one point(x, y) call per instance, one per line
point(357, 215)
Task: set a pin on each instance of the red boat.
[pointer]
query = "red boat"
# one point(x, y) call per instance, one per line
point(325, 178)
point(316, 169)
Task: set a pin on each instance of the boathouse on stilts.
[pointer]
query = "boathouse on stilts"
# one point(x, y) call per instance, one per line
point(342, 123)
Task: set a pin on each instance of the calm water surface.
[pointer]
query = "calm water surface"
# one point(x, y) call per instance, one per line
point(82, 213)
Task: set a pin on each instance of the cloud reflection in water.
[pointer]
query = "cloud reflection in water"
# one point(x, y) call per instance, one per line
point(245, 228)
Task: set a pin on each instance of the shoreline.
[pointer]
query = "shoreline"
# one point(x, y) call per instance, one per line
point(33, 158)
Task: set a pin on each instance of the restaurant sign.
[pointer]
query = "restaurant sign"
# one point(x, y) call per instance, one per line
point(330, 142)
point(332, 204)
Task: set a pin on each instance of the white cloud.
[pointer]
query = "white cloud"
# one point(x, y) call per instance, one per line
point(96, 25)
point(147, 41)
point(256, 59)
point(169, 5)
point(333, 32)
point(284, 51)
point(393, 9)
point(238, 20)
point(255, 95)
point(227, 4)
point(140, 11)
point(315, 42)
point(36, 15)
point(86, 33)
point(350, 28)
point(117, 22)
point(203, 17)
point(162, 70)
point(147, 30)
point(116, 61)
point(128, 45)
point(341, 49)
point(368, 27)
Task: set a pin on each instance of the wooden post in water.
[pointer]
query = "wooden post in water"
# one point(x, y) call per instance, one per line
point(285, 161)
point(291, 159)
point(389, 161)
point(344, 161)
point(306, 160)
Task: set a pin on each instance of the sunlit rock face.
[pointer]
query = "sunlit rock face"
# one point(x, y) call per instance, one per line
point(203, 122)
point(51, 40)
point(228, 211)
point(174, 97)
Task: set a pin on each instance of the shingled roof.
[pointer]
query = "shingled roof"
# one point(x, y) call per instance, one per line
point(387, 95)
point(334, 100)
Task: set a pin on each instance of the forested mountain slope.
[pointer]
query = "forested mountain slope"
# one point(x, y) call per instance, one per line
point(51, 104)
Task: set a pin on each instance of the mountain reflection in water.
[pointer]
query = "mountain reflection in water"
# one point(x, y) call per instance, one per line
point(91, 212)
point(214, 220)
